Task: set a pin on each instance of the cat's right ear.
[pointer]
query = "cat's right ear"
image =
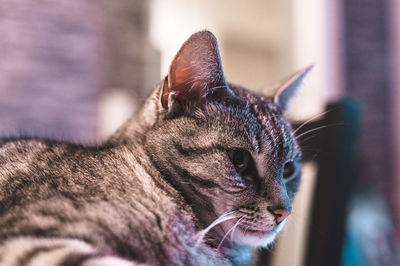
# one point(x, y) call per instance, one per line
point(195, 73)
point(284, 91)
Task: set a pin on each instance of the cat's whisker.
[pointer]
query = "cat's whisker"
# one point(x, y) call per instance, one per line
point(296, 222)
point(299, 222)
point(298, 217)
point(310, 120)
point(245, 229)
point(235, 226)
point(306, 221)
point(317, 128)
point(229, 231)
point(224, 217)
point(308, 138)
point(271, 246)
point(203, 233)
point(218, 87)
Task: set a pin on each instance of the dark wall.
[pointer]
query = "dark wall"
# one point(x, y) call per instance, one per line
point(367, 57)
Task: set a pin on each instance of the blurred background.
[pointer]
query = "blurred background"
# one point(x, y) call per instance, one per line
point(76, 70)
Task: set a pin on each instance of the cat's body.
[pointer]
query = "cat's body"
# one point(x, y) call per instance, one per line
point(107, 196)
point(103, 196)
point(200, 150)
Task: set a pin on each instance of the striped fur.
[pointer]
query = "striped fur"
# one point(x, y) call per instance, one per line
point(150, 193)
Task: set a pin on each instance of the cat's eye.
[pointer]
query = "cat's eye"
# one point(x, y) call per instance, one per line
point(240, 159)
point(289, 169)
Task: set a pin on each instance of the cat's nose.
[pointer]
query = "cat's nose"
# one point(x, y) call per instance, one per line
point(280, 214)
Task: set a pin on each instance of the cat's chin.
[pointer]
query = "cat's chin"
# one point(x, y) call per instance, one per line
point(256, 238)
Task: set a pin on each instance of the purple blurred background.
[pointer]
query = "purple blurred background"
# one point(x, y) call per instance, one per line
point(76, 70)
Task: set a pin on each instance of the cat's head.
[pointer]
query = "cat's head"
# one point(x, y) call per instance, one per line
point(230, 152)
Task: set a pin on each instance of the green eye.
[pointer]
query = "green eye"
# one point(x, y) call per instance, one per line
point(289, 169)
point(240, 159)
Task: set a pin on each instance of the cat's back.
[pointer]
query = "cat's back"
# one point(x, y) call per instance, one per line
point(103, 194)
point(47, 166)
point(32, 170)
point(17, 156)
point(22, 157)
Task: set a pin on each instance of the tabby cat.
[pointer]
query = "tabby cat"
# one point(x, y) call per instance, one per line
point(205, 170)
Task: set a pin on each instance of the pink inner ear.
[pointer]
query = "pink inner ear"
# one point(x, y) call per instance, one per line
point(165, 93)
point(180, 81)
point(195, 69)
point(181, 70)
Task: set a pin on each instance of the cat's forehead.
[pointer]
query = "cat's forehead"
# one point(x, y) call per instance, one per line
point(260, 105)
point(270, 117)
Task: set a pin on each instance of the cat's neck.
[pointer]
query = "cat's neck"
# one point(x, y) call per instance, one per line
point(132, 137)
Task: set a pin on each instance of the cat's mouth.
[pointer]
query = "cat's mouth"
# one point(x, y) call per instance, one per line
point(257, 231)
point(256, 236)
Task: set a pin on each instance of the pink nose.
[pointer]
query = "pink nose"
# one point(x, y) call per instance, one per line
point(281, 215)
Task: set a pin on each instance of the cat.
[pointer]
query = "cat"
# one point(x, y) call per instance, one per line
point(206, 169)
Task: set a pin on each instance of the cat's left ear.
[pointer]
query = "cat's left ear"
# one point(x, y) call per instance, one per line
point(195, 75)
point(286, 89)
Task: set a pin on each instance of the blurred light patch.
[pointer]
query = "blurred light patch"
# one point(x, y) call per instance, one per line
point(171, 23)
point(370, 238)
point(115, 108)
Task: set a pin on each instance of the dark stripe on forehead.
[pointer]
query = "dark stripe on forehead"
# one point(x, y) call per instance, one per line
point(268, 117)
point(189, 151)
point(31, 254)
point(276, 127)
point(75, 259)
point(237, 116)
